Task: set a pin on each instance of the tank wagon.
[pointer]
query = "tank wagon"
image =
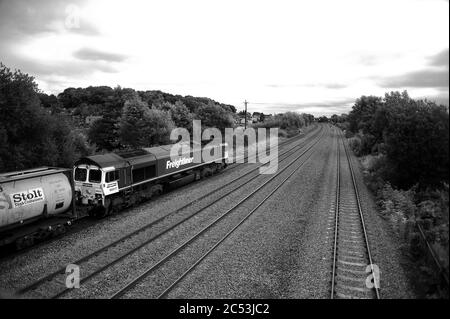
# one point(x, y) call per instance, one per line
point(35, 204)
point(112, 181)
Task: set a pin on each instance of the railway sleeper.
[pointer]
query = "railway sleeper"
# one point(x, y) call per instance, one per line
point(349, 263)
point(354, 272)
point(352, 258)
point(360, 280)
point(353, 289)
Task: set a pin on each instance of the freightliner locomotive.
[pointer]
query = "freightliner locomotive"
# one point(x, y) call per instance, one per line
point(42, 202)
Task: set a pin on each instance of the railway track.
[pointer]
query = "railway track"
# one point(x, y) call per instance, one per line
point(352, 260)
point(85, 221)
point(178, 251)
point(288, 141)
point(54, 281)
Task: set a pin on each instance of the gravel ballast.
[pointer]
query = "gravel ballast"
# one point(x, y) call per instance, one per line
point(281, 251)
point(33, 264)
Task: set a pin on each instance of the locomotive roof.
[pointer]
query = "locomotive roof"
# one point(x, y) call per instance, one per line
point(159, 151)
point(30, 173)
point(103, 160)
point(137, 158)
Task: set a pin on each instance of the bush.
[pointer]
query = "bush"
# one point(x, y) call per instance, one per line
point(290, 122)
point(283, 133)
point(414, 135)
point(355, 145)
point(399, 208)
point(417, 140)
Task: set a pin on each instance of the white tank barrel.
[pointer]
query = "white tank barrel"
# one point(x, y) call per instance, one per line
point(23, 198)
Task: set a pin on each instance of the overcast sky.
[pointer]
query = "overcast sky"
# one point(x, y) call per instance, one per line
point(307, 56)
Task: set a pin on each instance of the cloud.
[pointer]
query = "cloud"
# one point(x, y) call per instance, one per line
point(439, 99)
point(323, 108)
point(26, 18)
point(335, 86)
point(317, 85)
point(368, 59)
point(327, 108)
point(373, 59)
point(419, 79)
point(434, 76)
point(440, 59)
point(96, 55)
point(59, 68)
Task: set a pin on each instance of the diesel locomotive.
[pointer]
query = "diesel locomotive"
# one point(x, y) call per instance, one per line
point(110, 182)
point(42, 202)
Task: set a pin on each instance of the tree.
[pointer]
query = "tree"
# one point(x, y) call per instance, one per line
point(3, 147)
point(50, 102)
point(158, 125)
point(140, 126)
point(363, 111)
point(215, 116)
point(132, 122)
point(262, 117)
point(290, 120)
point(334, 118)
point(242, 113)
point(104, 133)
point(181, 115)
point(416, 138)
point(30, 136)
point(308, 118)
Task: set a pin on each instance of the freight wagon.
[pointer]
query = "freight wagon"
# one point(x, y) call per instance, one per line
point(35, 204)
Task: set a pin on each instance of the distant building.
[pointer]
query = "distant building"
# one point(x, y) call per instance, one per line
point(241, 119)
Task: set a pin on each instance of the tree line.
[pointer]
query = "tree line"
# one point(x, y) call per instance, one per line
point(411, 135)
point(37, 129)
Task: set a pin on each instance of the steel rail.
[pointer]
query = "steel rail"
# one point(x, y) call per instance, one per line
point(137, 279)
point(174, 283)
point(151, 239)
point(361, 215)
point(336, 217)
point(61, 270)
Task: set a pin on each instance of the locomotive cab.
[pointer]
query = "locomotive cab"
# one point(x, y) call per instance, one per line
point(93, 183)
point(88, 181)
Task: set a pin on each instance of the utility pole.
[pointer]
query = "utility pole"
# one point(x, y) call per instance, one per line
point(245, 124)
